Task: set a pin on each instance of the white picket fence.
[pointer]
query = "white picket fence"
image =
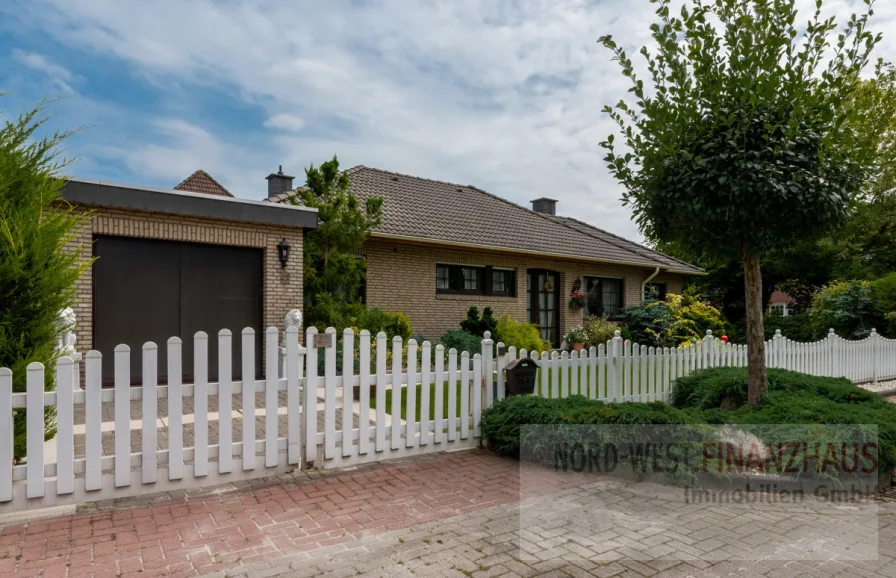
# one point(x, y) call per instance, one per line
point(326, 423)
point(621, 371)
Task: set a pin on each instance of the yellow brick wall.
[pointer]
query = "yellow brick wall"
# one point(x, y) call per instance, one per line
point(282, 289)
point(402, 277)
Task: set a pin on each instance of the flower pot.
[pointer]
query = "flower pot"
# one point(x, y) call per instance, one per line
point(578, 346)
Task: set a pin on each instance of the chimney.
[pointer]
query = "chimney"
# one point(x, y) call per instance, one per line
point(278, 183)
point(545, 205)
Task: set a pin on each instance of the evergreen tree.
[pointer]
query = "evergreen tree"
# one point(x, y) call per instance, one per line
point(37, 271)
point(334, 266)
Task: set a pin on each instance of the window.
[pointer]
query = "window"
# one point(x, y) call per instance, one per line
point(443, 278)
point(472, 279)
point(503, 282)
point(475, 280)
point(604, 296)
point(655, 292)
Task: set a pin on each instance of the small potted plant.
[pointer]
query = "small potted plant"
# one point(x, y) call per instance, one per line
point(576, 299)
point(576, 338)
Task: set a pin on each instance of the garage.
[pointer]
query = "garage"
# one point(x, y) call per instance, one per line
point(169, 263)
point(149, 290)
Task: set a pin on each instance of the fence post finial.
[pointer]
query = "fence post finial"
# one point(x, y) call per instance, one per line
point(709, 332)
point(831, 331)
point(873, 331)
point(487, 335)
point(777, 332)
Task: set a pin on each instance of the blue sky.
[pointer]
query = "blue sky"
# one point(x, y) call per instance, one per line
point(504, 95)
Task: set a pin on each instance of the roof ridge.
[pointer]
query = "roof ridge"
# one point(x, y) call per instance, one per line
point(639, 245)
point(203, 173)
point(410, 176)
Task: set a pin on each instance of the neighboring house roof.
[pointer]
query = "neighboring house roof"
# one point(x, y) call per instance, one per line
point(421, 209)
point(781, 297)
point(202, 182)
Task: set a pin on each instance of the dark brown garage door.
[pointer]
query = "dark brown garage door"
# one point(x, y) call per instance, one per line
point(148, 290)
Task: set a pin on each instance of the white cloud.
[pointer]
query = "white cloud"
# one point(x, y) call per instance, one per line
point(284, 121)
point(503, 95)
point(60, 75)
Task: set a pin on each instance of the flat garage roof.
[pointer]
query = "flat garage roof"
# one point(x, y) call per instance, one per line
point(79, 191)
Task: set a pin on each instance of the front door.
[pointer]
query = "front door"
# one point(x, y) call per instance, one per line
point(543, 303)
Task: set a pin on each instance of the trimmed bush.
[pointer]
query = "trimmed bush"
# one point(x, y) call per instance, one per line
point(502, 422)
point(461, 341)
point(793, 398)
point(520, 335)
point(599, 330)
point(477, 325)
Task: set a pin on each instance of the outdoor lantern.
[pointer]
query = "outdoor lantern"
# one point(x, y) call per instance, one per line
point(283, 252)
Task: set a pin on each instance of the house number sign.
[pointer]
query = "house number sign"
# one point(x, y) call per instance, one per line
point(323, 340)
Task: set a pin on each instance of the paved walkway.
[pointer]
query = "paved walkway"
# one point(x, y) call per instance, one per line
point(464, 513)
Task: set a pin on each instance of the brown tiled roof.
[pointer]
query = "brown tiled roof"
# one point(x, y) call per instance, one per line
point(202, 182)
point(781, 297)
point(437, 211)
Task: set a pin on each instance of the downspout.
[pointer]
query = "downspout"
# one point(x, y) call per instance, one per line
point(648, 280)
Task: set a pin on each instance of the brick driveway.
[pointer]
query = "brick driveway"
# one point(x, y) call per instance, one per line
point(453, 514)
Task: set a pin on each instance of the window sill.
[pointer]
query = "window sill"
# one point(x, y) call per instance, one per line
point(473, 297)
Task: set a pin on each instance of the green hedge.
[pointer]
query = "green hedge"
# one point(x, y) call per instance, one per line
point(501, 423)
point(714, 396)
point(794, 398)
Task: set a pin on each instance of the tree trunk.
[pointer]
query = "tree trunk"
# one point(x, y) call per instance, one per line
point(757, 382)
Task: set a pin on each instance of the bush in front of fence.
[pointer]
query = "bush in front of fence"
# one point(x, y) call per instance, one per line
point(500, 425)
point(720, 394)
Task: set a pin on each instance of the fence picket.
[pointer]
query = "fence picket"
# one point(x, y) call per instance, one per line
point(477, 393)
point(271, 398)
point(544, 373)
point(309, 401)
point(65, 426)
point(34, 383)
point(574, 359)
point(6, 434)
point(330, 395)
point(395, 377)
point(452, 394)
point(439, 425)
point(411, 396)
point(122, 415)
point(380, 391)
point(501, 364)
point(364, 395)
point(425, 381)
point(200, 404)
point(225, 401)
point(464, 395)
point(93, 422)
point(348, 373)
point(150, 368)
point(293, 375)
point(247, 365)
point(487, 349)
point(564, 374)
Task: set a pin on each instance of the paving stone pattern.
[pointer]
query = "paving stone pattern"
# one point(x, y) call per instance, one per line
point(465, 513)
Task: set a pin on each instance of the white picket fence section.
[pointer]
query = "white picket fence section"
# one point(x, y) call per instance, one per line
point(332, 419)
point(622, 371)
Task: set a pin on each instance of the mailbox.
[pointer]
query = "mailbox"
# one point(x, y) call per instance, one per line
point(520, 378)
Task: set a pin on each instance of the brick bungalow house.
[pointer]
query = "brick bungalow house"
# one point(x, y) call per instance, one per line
point(443, 247)
point(174, 262)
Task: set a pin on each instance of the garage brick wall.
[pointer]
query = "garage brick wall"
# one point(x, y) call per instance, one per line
point(282, 287)
point(402, 277)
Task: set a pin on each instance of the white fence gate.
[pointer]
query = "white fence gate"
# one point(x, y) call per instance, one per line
point(425, 399)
